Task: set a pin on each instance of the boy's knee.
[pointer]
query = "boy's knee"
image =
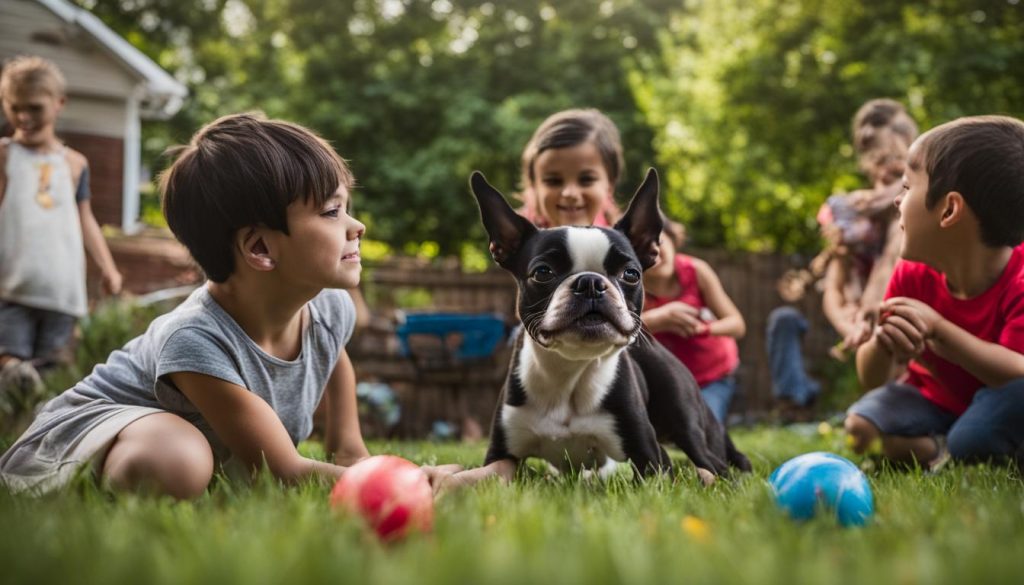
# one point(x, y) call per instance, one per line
point(861, 431)
point(186, 471)
point(991, 427)
point(785, 319)
point(969, 444)
point(181, 468)
point(975, 443)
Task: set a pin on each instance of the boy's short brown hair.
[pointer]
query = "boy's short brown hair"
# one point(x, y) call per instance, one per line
point(240, 171)
point(982, 158)
point(32, 71)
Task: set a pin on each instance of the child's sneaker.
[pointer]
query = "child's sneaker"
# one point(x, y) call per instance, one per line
point(940, 460)
point(20, 387)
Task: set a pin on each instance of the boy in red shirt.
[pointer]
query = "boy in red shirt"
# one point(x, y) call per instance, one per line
point(954, 309)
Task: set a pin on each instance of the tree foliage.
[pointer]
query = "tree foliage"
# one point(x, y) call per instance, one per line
point(414, 93)
point(744, 104)
point(751, 100)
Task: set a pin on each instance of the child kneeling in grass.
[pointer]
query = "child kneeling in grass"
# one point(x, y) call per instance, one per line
point(234, 373)
point(954, 308)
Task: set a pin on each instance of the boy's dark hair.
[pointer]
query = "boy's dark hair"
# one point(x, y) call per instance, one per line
point(240, 171)
point(982, 158)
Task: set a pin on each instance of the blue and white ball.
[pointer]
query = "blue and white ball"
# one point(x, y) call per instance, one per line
point(820, 480)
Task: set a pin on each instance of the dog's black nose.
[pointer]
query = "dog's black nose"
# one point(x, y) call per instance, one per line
point(591, 286)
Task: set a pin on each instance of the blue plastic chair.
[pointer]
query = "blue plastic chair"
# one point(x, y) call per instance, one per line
point(480, 333)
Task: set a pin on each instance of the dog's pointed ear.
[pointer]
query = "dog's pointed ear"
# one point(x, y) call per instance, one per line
point(642, 222)
point(506, 229)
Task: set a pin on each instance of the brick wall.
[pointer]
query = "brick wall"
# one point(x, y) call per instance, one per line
point(106, 173)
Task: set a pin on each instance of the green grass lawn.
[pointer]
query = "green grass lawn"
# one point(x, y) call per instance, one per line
point(964, 525)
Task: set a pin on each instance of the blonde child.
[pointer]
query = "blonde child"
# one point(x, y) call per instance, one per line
point(954, 308)
point(234, 374)
point(689, 312)
point(44, 185)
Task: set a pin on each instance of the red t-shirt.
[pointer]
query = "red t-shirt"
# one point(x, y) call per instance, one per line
point(996, 316)
point(708, 358)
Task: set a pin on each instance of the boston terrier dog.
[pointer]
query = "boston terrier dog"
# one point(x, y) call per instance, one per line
point(588, 386)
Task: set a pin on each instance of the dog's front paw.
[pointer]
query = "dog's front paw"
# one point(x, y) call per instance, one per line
point(706, 477)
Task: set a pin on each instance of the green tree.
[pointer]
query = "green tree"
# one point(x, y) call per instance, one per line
point(419, 93)
point(751, 100)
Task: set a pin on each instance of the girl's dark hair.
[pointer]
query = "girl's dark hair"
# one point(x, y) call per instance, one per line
point(240, 171)
point(567, 129)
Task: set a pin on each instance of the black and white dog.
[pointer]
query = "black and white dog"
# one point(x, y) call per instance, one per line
point(587, 385)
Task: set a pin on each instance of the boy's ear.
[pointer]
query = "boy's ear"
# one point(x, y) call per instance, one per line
point(506, 229)
point(642, 222)
point(953, 209)
point(256, 253)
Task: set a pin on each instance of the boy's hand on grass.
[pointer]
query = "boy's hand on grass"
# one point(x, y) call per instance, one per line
point(441, 476)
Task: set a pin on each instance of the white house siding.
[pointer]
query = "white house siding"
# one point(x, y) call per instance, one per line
point(92, 115)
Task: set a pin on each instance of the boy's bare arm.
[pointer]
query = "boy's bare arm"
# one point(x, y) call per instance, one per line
point(989, 362)
point(881, 272)
point(834, 303)
point(96, 246)
point(343, 437)
point(250, 428)
point(3, 171)
point(993, 364)
point(875, 364)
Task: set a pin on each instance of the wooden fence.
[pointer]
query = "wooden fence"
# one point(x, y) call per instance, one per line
point(470, 389)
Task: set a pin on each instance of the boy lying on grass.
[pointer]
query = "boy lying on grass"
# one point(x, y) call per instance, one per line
point(232, 375)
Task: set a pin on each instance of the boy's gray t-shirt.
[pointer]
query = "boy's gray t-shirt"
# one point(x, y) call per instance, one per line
point(197, 336)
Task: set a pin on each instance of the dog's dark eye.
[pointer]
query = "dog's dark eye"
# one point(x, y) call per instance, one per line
point(542, 274)
point(631, 276)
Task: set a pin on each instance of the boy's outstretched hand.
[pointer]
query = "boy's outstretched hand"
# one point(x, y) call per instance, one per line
point(440, 476)
point(905, 327)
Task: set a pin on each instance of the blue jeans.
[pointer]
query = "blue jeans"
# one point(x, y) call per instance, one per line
point(718, 395)
point(786, 328)
point(992, 427)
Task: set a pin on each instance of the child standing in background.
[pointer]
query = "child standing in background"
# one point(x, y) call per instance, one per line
point(45, 218)
point(689, 312)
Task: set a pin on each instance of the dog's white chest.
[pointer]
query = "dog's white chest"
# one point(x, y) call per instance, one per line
point(562, 420)
point(564, 439)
